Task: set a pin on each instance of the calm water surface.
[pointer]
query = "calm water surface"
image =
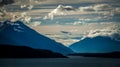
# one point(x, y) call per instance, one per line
point(60, 62)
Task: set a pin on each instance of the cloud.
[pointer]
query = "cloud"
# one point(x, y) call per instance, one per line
point(116, 10)
point(78, 22)
point(30, 7)
point(79, 31)
point(27, 6)
point(87, 8)
point(60, 10)
point(77, 1)
point(66, 32)
point(6, 2)
point(4, 15)
point(22, 16)
point(22, 6)
point(27, 2)
point(35, 23)
point(112, 31)
point(102, 7)
point(101, 11)
point(97, 7)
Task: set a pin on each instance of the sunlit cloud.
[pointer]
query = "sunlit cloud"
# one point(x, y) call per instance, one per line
point(60, 10)
point(117, 10)
point(22, 16)
point(103, 7)
point(97, 7)
point(22, 6)
point(94, 11)
point(112, 31)
point(29, 4)
point(87, 8)
point(35, 23)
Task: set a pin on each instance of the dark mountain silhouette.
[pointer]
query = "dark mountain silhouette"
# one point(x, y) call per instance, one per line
point(102, 55)
point(19, 34)
point(99, 44)
point(9, 51)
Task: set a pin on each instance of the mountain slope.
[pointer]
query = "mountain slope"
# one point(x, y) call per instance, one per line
point(9, 51)
point(97, 44)
point(19, 34)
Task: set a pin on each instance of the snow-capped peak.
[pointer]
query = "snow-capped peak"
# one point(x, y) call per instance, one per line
point(14, 26)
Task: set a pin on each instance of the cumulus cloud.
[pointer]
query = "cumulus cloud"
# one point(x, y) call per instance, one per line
point(60, 10)
point(112, 31)
point(4, 15)
point(22, 16)
point(23, 3)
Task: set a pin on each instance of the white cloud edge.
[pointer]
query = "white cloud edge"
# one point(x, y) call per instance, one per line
point(111, 32)
point(105, 9)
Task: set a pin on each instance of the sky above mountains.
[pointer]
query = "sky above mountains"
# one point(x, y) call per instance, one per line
point(59, 1)
point(66, 21)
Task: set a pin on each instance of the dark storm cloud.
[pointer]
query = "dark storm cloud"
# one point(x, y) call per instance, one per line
point(6, 2)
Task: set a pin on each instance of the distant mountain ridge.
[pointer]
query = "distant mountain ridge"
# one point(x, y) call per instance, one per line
point(9, 51)
point(19, 34)
point(101, 55)
point(98, 44)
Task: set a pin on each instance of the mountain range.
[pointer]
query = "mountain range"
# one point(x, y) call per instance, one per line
point(19, 34)
point(98, 44)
